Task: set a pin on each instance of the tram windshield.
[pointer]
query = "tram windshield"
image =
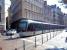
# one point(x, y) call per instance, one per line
point(23, 25)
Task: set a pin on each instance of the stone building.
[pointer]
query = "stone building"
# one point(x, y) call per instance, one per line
point(53, 14)
point(26, 9)
point(2, 15)
point(65, 20)
point(48, 13)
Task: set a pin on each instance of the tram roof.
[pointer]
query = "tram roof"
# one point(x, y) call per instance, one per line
point(32, 21)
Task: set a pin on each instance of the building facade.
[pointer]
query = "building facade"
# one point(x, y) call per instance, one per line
point(2, 15)
point(26, 9)
point(9, 19)
point(48, 13)
point(53, 14)
point(35, 10)
point(65, 20)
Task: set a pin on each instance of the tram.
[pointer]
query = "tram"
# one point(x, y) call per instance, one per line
point(29, 26)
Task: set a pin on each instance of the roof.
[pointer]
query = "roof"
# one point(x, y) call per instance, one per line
point(32, 21)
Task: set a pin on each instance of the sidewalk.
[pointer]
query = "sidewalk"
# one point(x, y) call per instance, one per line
point(57, 42)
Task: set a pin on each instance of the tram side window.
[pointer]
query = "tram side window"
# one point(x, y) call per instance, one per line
point(35, 27)
point(46, 27)
point(43, 27)
point(31, 27)
point(38, 27)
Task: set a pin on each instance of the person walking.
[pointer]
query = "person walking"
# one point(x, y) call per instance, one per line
point(66, 39)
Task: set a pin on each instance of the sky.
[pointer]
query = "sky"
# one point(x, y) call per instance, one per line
point(7, 5)
point(52, 2)
point(49, 2)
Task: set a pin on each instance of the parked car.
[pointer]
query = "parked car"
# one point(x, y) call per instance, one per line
point(15, 35)
point(11, 32)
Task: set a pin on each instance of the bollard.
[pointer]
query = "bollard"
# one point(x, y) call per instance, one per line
point(42, 36)
point(35, 40)
point(47, 37)
point(56, 32)
point(50, 35)
point(23, 45)
point(53, 33)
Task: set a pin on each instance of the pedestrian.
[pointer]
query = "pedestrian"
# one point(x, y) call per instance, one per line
point(15, 48)
point(0, 48)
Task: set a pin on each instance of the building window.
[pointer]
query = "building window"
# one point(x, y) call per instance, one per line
point(0, 13)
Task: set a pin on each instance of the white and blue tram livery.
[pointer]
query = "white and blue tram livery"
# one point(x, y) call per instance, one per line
point(27, 27)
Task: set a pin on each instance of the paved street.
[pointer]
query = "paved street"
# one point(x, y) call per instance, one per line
point(29, 43)
point(33, 25)
point(58, 41)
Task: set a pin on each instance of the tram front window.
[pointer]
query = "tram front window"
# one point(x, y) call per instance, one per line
point(23, 26)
